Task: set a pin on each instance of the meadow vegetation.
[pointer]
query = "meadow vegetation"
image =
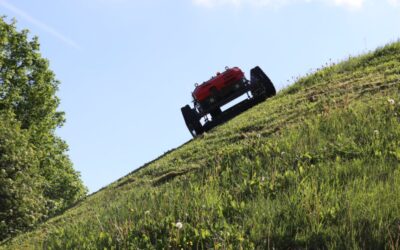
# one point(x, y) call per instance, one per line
point(317, 166)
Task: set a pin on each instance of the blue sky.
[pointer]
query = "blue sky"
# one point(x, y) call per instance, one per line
point(127, 66)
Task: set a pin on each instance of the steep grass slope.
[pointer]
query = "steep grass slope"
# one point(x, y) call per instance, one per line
point(317, 166)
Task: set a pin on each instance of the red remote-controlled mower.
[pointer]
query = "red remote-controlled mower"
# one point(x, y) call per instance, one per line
point(210, 96)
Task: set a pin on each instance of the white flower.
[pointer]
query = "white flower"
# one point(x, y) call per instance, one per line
point(147, 212)
point(376, 132)
point(179, 225)
point(262, 179)
point(391, 101)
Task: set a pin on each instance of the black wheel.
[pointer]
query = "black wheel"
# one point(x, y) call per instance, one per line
point(269, 88)
point(192, 121)
point(260, 79)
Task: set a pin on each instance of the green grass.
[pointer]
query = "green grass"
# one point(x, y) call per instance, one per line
point(317, 166)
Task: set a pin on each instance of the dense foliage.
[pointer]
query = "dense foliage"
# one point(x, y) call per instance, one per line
point(316, 167)
point(36, 175)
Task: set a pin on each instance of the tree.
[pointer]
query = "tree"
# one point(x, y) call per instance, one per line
point(42, 170)
point(22, 204)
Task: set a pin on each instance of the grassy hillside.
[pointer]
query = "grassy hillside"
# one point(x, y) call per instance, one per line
point(317, 166)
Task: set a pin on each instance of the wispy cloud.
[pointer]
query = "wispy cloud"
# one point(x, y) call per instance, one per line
point(352, 4)
point(395, 3)
point(238, 3)
point(348, 4)
point(39, 24)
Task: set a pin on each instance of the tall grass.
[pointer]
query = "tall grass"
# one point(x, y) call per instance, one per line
point(317, 167)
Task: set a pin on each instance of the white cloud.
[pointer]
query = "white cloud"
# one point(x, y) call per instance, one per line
point(214, 3)
point(352, 4)
point(238, 3)
point(395, 3)
point(349, 4)
point(39, 24)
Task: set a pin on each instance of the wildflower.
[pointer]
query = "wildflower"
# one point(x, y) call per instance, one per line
point(147, 212)
point(283, 153)
point(179, 225)
point(259, 135)
point(391, 101)
point(262, 179)
point(376, 132)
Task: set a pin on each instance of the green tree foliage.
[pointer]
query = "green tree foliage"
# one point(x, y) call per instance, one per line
point(36, 175)
point(21, 201)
